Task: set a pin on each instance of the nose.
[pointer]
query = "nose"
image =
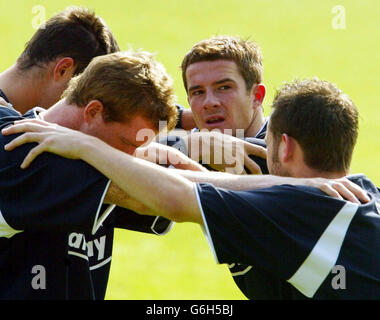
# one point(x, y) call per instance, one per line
point(211, 101)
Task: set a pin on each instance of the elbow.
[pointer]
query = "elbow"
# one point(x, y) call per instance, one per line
point(180, 209)
point(175, 212)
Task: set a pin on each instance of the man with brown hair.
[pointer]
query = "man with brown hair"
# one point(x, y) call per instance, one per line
point(223, 78)
point(58, 242)
point(306, 244)
point(61, 48)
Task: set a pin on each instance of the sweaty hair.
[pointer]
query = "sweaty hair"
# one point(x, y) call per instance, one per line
point(76, 32)
point(322, 119)
point(246, 54)
point(128, 83)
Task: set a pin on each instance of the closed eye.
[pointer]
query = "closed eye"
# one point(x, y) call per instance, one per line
point(128, 143)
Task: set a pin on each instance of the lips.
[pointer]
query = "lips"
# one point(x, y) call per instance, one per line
point(214, 119)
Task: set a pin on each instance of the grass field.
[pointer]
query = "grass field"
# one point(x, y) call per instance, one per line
point(298, 39)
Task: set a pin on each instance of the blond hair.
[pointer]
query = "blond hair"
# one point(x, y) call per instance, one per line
point(127, 83)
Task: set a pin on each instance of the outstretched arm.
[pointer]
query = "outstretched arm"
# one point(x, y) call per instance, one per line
point(138, 185)
point(165, 192)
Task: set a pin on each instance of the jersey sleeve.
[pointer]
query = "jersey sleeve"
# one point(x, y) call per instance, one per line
point(277, 229)
point(180, 109)
point(130, 220)
point(52, 193)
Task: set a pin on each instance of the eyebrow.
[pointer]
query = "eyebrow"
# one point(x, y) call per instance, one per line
point(224, 80)
point(217, 82)
point(194, 88)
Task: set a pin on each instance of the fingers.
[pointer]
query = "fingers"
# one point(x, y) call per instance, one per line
point(24, 138)
point(256, 150)
point(345, 189)
point(354, 189)
point(251, 165)
point(37, 121)
point(27, 138)
point(330, 191)
point(25, 126)
point(32, 155)
point(3, 102)
point(343, 192)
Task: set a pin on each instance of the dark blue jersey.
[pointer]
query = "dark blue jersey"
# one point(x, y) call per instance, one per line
point(263, 131)
point(40, 207)
point(99, 246)
point(55, 233)
point(303, 243)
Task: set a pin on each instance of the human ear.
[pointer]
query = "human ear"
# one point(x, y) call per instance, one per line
point(63, 69)
point(287, 149)
point(259, 92)
point(93, 112)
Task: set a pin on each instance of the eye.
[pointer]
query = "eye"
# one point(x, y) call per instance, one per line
point(225, 87)
point(196, 92)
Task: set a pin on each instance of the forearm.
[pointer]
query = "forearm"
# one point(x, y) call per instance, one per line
point(165, 193)
point(240, 182)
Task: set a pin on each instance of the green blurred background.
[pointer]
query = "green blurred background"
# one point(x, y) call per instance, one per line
point(298, 38)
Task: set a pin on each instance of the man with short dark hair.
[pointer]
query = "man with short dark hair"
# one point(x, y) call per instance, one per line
point(296, 235)
point(59, 49)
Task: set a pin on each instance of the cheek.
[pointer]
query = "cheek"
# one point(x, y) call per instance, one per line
point(109, 138)
point(236, 105)
point(128, 149)
point(195, 104)
point(196, 109)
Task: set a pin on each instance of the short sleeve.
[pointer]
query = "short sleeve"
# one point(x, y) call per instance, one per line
point(52, 193)
point(180, 109)
point(130, 220)
point(274, 228)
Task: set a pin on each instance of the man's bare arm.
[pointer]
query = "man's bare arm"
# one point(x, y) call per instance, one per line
point(164, 192)
point(338, 188)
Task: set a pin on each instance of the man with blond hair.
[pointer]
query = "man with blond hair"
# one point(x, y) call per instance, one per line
point(57, 241)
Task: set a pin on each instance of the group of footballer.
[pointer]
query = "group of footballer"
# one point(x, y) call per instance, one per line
point(81, 156)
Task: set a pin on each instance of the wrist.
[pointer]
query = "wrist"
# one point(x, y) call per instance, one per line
point(87, 146)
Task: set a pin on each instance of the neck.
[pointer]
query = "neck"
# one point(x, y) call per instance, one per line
point(64, 114)
point(21, 88)
point(303, 171)
point(256, 123)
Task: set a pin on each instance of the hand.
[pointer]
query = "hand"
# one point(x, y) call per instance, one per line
point(50, 138)
point(165, 155)
point(341, 188)
point(224, 152)
point(3, 102)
